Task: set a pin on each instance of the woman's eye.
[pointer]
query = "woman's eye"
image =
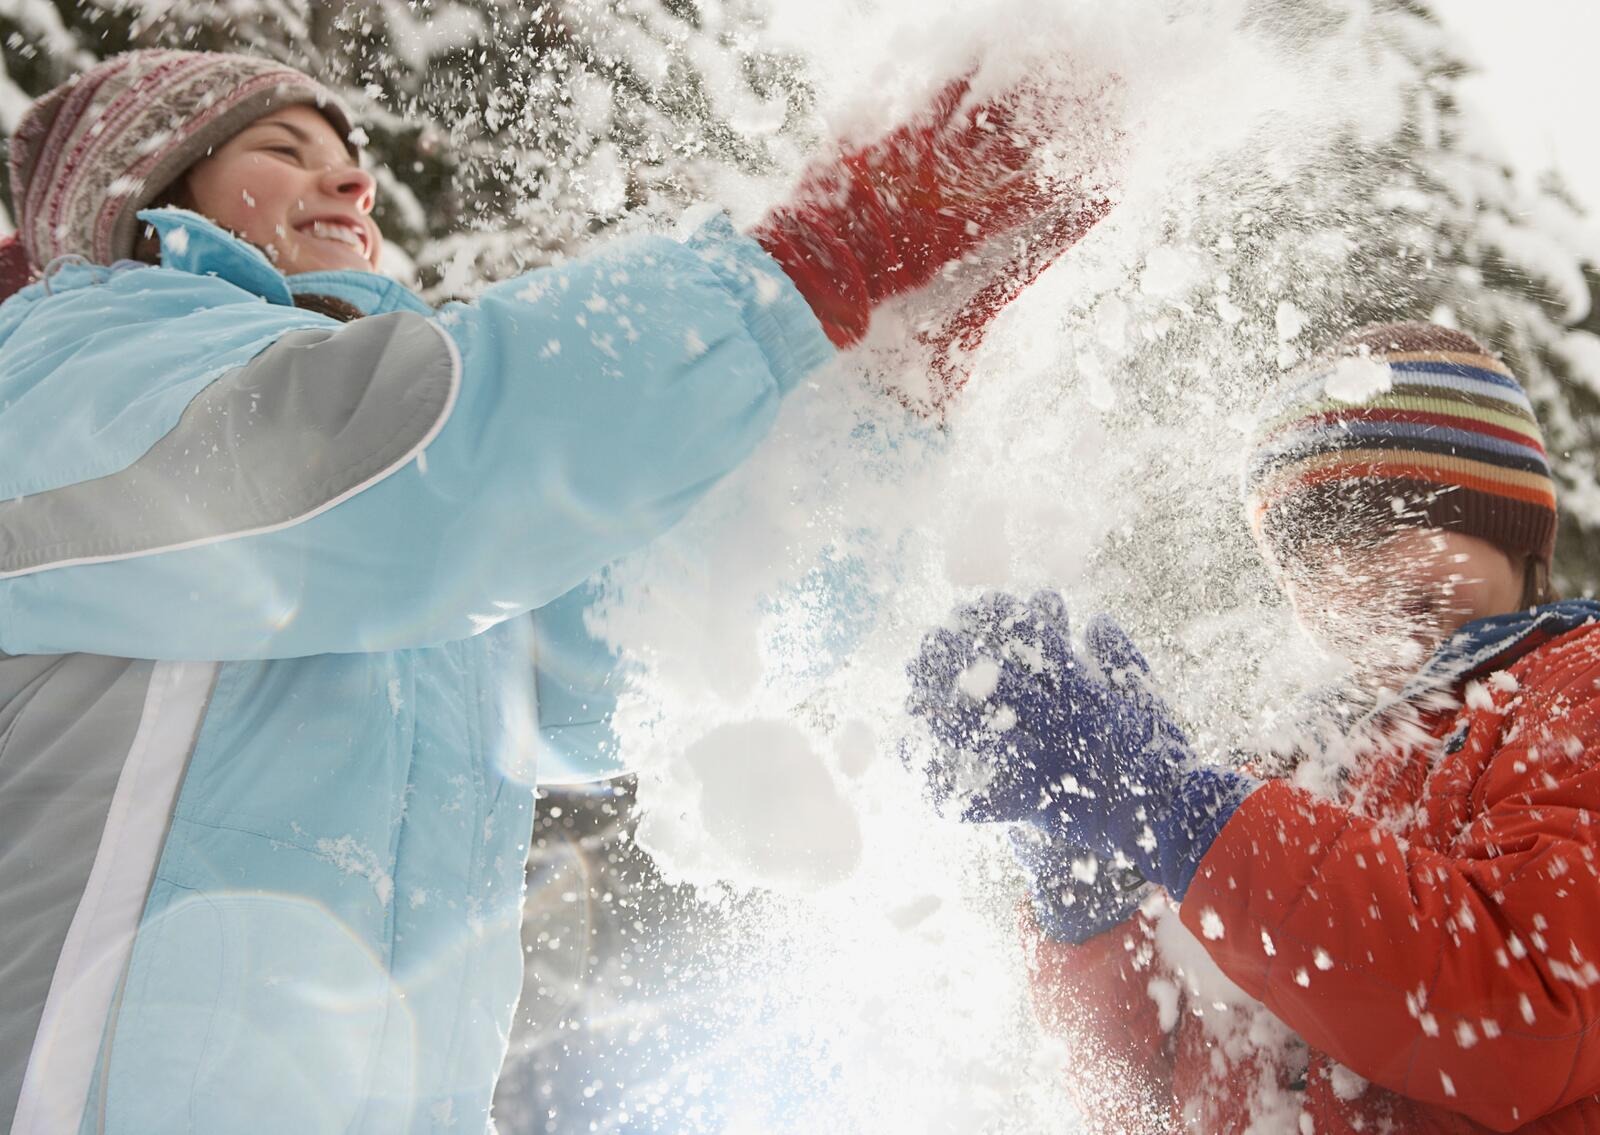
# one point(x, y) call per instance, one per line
point(288, 151)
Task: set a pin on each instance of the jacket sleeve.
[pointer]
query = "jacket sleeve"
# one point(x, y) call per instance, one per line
point(403, 481)
point(579, 676)
point(1096, 996)
point(1460, 970)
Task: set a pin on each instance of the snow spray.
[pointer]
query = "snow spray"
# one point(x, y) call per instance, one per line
point(1096, 449)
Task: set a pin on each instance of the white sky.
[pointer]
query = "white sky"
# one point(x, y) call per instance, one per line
point(1537, 88)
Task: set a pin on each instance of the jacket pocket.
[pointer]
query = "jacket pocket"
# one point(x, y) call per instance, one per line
point(259, 1010)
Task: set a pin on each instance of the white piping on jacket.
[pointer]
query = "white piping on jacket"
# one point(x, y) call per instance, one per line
point(99, 942)
point(412, 454)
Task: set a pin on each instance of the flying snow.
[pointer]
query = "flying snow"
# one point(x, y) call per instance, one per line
point(1096, 449)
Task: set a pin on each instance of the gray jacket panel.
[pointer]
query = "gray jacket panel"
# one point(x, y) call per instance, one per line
point(313, 418)
point(66, 724)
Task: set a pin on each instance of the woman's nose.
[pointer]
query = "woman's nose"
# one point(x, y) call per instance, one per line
point(353, 184)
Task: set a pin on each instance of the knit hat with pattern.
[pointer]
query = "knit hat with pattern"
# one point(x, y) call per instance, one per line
point(1401, 424)
point(90, 154)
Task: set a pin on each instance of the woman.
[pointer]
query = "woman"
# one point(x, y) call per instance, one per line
point(270, 526)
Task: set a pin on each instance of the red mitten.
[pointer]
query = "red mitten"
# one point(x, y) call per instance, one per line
point(1036, 247)
point(881, 220)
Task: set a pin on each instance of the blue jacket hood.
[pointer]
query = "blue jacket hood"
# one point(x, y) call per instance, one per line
point(193, 243)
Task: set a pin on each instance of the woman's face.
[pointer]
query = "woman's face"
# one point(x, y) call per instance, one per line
point(1388, 603)
point(286, 184)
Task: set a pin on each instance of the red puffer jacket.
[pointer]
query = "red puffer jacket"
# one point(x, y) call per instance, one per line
point(1418, 957)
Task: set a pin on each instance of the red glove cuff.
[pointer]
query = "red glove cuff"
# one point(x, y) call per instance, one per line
point(822, 269)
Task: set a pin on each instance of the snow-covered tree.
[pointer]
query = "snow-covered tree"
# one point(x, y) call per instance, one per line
point(1425, 223)
point(1446, 232)
point(503, 134)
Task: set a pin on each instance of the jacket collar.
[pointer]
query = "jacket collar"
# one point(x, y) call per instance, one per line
point(192, 243)
point(1486, 645)
point(1477, 649)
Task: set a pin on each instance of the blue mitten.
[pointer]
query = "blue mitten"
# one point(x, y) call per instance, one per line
point(984, 689)
point(1028, 728)
point(1076, 893)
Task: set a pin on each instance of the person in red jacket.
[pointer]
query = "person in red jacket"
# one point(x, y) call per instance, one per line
point(1399, 930)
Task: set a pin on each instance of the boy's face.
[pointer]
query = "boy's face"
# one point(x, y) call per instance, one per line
point(286, 184)
point(1388, 602)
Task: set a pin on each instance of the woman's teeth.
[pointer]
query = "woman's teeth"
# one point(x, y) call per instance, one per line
point(341, 233)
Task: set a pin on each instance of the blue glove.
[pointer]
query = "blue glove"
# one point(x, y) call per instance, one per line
point(1029, 729)
point(1076, 893)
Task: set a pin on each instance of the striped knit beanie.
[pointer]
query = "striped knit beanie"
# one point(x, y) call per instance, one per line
point(91, 153)
point(1401, 424)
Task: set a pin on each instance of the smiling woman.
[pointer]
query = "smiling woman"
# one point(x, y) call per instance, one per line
point(278, 888)
point(290, 185)
point(283, 881)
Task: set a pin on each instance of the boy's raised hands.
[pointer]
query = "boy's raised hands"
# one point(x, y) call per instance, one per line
point(1028, 728)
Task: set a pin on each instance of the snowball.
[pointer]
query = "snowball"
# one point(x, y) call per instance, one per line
point(1171, 273)
point(915, 912)
point(1111, 320)
point(977, 550)
point(1291, 321)
point(355, 858)
point(1165, 994)
point(154, 141)
point(1003, 719)
point(768, 289)
point(768, 800)
point(1359, 378)
point(1211, 925)
point(125, 186)
point(854, 747)
point(1346, 1085)
point(980, 679)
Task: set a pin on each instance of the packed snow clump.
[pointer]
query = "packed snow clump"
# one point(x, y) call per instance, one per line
point(1359, 378)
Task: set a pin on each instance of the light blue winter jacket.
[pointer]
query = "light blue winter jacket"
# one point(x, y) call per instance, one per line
point(268, 732)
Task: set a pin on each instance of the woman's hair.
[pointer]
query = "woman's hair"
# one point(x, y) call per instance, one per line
point(331, 306)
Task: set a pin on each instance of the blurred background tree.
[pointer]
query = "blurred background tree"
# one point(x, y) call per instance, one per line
point(1425, 223)
point(502, 134)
